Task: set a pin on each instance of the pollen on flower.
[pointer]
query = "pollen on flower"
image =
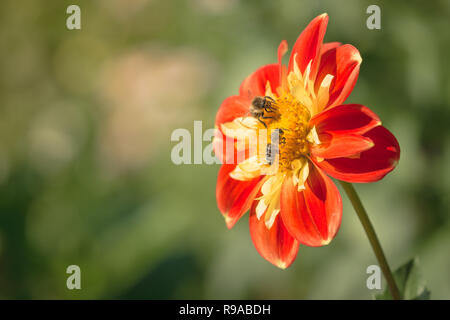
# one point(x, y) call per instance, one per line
point(293, 118)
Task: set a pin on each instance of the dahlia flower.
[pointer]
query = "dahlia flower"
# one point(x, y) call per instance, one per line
point(291, 197)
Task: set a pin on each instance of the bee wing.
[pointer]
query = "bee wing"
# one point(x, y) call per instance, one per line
point(250, 94)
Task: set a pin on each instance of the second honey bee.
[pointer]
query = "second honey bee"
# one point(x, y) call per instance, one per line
point(272, 148)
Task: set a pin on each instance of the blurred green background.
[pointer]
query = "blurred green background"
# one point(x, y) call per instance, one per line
point(85, 170)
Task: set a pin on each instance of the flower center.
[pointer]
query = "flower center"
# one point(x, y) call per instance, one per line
point(293, 119)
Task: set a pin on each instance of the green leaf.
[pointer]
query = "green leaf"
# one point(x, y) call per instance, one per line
point(410, 283)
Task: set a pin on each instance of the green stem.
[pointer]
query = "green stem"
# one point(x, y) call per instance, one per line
point(371, 234)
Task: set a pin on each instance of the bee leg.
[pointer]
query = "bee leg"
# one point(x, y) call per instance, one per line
point(270, 98)
point(259, 119)
point(269, 109)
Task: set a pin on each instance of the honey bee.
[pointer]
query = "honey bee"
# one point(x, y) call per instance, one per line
point(261, 105)
point(272, 148)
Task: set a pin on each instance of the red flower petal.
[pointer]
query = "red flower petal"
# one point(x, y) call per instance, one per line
point(328, 46)
point(282, 49)
point(346, 118)
point(225, 149)
point(275, 245)
point(308, 45)
point(312, 216)
point(234, 197)
point(335, 145)
point(371, 165)
point(232, 108)
point(343, 63)
point(255, 84)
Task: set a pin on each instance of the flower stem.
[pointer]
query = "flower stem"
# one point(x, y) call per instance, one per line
point(371, 234)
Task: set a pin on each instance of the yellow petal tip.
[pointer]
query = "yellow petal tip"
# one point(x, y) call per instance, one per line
point(228, 221)
point(282, 265)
